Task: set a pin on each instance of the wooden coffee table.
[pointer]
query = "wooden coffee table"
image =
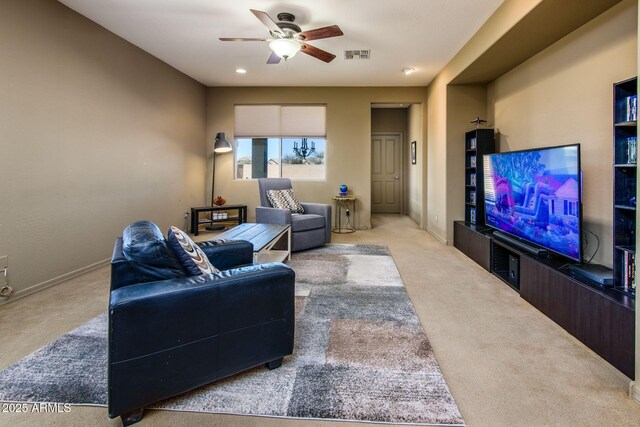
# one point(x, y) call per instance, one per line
point(271, 242)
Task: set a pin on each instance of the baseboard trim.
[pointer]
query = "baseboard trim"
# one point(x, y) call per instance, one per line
point(435, 236)
point(52, 282)
point(634, 391)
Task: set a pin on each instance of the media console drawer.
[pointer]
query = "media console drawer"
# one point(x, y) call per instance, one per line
point(473, 244)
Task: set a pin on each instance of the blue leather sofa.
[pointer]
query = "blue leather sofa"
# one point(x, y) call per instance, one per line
point(170, 333)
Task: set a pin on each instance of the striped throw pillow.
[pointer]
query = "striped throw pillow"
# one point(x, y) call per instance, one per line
point(193, 259)
point(285, 199)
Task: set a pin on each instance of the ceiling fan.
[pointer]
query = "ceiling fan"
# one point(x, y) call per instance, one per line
point(289, 39)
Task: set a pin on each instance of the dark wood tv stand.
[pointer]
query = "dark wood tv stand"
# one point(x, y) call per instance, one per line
point(603, 319)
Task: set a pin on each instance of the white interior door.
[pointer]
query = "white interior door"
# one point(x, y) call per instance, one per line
point(386, 173)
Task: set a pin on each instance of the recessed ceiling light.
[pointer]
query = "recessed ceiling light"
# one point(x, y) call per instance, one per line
point(408, 70)
point(241, 71)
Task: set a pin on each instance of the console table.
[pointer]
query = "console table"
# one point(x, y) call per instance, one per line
point(239, 218)
point(601, 318)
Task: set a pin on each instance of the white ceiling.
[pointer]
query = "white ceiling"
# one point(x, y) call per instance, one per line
point(423, 34)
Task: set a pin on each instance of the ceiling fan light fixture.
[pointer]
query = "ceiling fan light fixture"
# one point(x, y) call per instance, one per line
point(285, 48)
point(408, 70)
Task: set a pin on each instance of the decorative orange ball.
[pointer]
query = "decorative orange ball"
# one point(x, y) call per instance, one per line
point(219, 201)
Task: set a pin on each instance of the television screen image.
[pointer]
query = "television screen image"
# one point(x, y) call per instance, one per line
point(535, 195)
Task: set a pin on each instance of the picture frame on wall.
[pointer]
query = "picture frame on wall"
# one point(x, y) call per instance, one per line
point(413, 152)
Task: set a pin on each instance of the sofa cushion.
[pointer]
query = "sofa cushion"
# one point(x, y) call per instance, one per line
point(149, 256)
point(193, 259)
point(306, 222)
point(284, 199)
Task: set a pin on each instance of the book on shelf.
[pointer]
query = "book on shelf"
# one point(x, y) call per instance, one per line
point(629, 270)
point(632, 108)
point(472, 161)
point(474, 143)
point(472, 179)
point(632, 149)
point(472, 216)
point(472, 197)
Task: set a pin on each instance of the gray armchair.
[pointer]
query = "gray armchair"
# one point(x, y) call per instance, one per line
point(308, 230)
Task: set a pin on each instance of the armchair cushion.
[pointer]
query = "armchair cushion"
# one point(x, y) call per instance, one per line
point(323, 210)
point(193, 259)
point(147, 256)
point(284, 199)
point(306, 222)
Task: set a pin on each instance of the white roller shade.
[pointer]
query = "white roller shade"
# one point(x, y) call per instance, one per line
point(303, 121)
point(280, 120)
point(257, 121)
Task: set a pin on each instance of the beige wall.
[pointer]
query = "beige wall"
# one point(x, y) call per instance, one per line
point(464, 103)
point(389, 120)
point(94, 133)
point(563, 95)
point(415, 174)
point(437, 220)
point(348, 154)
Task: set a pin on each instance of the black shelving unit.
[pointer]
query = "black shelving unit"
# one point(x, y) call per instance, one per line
point(625, 134)
point(477, 143)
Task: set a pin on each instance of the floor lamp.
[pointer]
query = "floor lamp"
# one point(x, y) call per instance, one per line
point(221, 145)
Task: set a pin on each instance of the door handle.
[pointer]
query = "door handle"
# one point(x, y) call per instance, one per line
point(396, 178)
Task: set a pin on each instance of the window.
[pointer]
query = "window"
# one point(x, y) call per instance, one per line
point(269, 142)
point(276, 157)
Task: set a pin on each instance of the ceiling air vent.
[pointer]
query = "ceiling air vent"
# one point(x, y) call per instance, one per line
point(356, 54)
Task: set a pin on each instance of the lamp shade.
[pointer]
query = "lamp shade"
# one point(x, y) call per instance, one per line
point(221, 145)
point(285, 48)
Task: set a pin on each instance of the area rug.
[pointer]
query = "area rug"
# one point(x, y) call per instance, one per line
point(360, 354)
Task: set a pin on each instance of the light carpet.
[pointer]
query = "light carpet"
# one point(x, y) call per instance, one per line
point(360, 354)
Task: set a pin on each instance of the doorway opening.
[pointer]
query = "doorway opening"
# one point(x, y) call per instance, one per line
point(396, 167)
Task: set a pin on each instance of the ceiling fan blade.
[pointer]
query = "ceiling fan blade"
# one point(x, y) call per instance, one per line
point(321, 33)
point(241, 39)
point(322, 55)
point(266, 20)
point(273, 59)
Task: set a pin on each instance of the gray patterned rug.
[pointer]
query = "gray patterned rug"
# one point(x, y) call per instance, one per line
point(360, 354)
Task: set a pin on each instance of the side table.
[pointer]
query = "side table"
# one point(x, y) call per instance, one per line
point(240, 218)
point(348, 203)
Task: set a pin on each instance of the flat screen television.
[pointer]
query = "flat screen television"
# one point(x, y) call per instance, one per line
point(535, 195)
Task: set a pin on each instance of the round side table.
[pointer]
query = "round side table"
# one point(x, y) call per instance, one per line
point(348, 203)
